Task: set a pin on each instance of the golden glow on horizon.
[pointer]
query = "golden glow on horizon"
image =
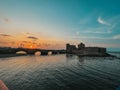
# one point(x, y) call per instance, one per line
point(31, 46)
point(31, 41)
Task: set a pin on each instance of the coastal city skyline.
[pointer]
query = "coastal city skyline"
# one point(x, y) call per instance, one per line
point(50, 24)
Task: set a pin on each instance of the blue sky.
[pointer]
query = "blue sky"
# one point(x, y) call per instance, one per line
point(94, 22)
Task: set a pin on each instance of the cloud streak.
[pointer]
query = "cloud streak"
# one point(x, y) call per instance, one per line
point(5, 35)
point(101, 21)
point(96, 30)
point(116, 37)
point(6, 20)
point(32, 37)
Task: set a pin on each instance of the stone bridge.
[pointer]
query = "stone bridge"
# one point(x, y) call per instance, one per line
point(30, 51)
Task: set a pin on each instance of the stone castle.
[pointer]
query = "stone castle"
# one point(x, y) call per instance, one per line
point(85, 51)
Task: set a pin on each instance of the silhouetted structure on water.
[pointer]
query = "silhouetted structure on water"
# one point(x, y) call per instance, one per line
point(82, 50)
point(8, 50)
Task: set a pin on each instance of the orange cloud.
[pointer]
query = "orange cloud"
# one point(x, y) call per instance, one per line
point(5, 35)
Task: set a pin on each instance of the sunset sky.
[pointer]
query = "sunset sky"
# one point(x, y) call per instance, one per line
point(50, 24)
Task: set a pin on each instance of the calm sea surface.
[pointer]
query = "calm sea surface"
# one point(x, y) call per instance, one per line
point(60, 72)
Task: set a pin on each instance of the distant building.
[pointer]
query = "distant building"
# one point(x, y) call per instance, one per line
point(82, 50)
point(70, 48)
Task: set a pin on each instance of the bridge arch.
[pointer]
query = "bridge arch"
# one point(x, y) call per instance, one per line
point(21, 52)
point(49, 52)
point(37, 53)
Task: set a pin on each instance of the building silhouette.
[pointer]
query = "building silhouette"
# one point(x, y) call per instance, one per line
point(83, 50)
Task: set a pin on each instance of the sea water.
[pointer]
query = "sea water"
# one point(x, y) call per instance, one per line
point(60, 72)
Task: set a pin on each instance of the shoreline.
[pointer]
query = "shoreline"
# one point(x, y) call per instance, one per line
point(11, 55)
point(97, 55)
point(93, 55)
point(80, 55)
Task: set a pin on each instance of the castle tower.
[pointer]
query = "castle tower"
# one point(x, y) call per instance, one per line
point(67, 48)
point(81, 46)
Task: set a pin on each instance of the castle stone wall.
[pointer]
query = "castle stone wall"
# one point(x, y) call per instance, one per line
point(82, 50)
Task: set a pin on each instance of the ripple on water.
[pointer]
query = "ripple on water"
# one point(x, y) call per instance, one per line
point(60, 72)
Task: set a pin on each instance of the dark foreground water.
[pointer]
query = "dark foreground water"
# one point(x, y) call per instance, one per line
point(60, 72)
